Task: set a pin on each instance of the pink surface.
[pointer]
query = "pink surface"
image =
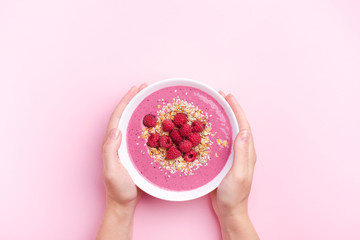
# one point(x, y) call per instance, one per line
point(294, 66)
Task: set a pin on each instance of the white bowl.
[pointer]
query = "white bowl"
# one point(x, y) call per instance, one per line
point(125, 158)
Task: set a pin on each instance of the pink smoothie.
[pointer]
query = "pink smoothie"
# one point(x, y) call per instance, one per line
point(151, 169)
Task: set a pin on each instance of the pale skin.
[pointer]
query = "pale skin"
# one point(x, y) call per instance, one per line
point(229, 200)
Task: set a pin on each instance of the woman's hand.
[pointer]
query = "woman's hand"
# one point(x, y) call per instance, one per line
point(122, 195)
point(230, 199)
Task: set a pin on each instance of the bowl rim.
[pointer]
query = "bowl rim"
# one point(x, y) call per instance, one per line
point(142, 182)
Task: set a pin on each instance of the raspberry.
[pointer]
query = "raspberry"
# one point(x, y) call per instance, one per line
point(165, 142)
point(197, 126)
point(167, 125)
point(149, 120)
point(190, 156)
point(175, 136)
point(153, 140)
point(173, 153)
point(185, 146)
point(194, 138)
point(180, 119)
point(185, 130)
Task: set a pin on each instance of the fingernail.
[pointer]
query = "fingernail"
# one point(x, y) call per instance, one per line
point(133, 88)
point(244, 135)
point(114, 134)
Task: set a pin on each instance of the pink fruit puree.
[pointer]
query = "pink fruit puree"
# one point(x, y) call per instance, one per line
point(151, 169)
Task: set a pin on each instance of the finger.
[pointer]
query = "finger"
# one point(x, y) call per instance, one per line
point(241, 154)
point(222, 94)
point(252, 153)
point(239, 113)
point(142, 86)
point(213, 197)
point(243, 125)
point(116, 115)
point(111, 147)
point(252, 157)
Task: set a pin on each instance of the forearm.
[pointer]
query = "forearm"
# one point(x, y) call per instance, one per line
point(117, 223)
point(237, 227)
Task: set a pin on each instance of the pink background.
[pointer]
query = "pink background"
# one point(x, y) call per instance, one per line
point(294, 66)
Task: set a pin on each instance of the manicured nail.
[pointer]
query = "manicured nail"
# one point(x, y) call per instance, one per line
point(244, 135)
point(114, 134)
point(142, 86)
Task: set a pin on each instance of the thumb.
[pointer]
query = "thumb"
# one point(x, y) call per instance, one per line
point(112, 145)
point(241, 152)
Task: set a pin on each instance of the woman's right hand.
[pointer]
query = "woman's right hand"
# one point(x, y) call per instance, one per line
point(230, 199)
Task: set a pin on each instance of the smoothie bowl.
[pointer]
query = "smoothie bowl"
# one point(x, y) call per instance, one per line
point(177, 139)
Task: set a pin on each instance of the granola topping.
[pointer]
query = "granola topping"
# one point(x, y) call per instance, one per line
point(193, 113)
